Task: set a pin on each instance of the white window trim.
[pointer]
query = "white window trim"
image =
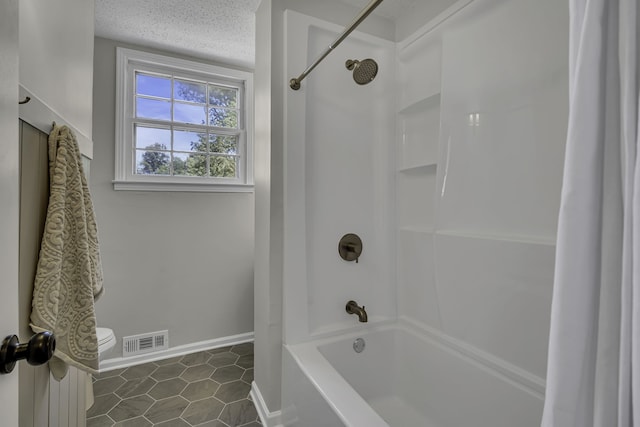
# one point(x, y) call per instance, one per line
point(125, 179)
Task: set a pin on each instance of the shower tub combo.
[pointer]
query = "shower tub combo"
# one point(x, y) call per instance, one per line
point(400, 378)
point(457, 260)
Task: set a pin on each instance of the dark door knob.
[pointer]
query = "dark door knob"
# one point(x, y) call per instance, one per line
point(37, 351)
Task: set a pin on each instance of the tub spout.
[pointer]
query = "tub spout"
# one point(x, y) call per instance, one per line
point(353, 308)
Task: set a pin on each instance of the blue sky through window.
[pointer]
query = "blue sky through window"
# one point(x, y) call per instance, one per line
point(153, 109)
point(184, 140)
point(147, 136)
point(153, 86)
point(190, 113)
point(155, 100)
point(166, 143)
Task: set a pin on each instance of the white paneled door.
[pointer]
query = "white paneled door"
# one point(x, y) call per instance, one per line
point(9, 199)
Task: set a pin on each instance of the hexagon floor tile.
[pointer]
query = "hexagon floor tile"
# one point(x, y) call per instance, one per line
point(208, 388)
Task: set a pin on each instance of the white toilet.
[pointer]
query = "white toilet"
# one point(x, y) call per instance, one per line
point(106, 342)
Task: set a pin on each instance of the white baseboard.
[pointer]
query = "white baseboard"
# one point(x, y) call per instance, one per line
point(125, 362)
point(268, 419)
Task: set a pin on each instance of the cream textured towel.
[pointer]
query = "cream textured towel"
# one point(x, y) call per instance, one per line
point(69, 273)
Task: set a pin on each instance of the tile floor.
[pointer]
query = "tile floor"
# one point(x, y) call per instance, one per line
point(205, 389)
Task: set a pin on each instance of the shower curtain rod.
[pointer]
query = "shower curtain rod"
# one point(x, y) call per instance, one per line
point(295, 82)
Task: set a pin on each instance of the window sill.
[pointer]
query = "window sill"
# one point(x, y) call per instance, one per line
point(182, 187)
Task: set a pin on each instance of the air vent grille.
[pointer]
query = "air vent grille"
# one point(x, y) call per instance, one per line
point(145, 343)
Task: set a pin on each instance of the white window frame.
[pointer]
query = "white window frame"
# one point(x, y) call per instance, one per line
point(129, 61)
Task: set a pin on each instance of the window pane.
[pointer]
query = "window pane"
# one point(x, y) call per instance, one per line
point(188, 113)
point(223, 118)
point(184, 140)
point(149, 138)
point(224, 144)
point(153, 109)
point(223, 166)
point(185, 90)
point(185, 164)
point(152, 162)
point(223, 97)
point(195, 164)
point(180, 164)
point(153, 86)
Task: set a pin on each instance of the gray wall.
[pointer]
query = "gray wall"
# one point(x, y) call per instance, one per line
point(171, 260)
point(56, 48)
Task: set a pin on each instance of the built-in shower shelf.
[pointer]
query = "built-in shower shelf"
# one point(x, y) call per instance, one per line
point(431, 101)
point(418, 169)
point(422, 229)
point(506, 237)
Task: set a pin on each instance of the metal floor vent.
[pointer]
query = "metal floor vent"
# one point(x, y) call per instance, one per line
point(145, 343)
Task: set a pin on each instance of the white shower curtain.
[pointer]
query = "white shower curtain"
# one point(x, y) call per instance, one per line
point(593, 376)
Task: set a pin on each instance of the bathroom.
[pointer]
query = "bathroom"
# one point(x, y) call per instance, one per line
point(447, 164)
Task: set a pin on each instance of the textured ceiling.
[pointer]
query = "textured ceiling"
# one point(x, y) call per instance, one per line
point(220, 30)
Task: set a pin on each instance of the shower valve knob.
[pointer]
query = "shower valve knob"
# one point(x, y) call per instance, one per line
point(350, 247)
point(37, 351)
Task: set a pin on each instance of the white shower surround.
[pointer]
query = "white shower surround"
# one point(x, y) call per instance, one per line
point(338, 180)
point(457, 267)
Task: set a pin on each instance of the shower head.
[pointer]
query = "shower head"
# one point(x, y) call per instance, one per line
point(363, 71)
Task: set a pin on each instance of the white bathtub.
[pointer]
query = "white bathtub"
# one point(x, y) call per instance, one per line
point(402, 378)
